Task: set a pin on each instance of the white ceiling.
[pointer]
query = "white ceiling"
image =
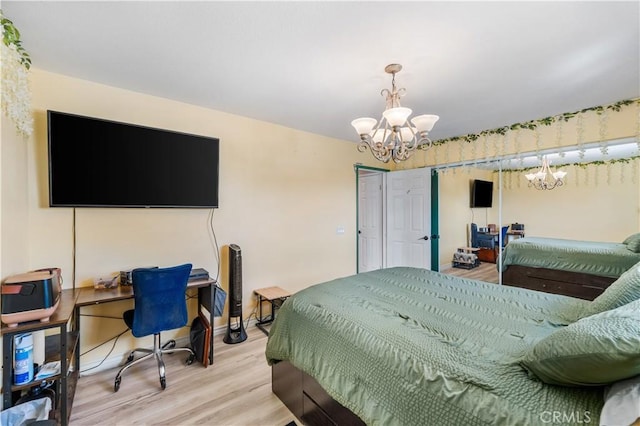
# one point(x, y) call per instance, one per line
point(316, 66)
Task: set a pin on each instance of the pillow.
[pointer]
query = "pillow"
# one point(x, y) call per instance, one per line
point(622, 291)
point(621, 403)
point(631, 238)
point(592, 351)
point(634, 245)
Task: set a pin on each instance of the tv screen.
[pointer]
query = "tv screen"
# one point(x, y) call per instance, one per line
point(481, 193)
point(101, 163)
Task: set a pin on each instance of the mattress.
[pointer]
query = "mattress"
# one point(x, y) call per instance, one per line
point(589, 257)
point(407, 346)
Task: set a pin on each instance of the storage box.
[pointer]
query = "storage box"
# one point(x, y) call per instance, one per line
point(30, 296)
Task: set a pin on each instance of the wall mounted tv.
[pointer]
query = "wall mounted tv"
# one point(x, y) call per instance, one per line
point(481, 193)
point(101, 163)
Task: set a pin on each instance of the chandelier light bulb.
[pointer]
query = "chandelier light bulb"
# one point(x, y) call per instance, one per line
point(425, 122)
point(397, 116)
point(364, 125)
point(559, 174)
point(406, 133)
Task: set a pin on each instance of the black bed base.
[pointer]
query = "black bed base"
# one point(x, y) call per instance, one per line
point(574, 284)
point(306, 399)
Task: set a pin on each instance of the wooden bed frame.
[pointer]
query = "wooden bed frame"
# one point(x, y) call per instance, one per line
point(306, 399)
point(574, 284)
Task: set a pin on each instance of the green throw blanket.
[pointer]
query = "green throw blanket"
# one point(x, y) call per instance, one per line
point(406, 346)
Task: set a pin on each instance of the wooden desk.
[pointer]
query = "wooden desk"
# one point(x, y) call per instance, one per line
point(88, 296)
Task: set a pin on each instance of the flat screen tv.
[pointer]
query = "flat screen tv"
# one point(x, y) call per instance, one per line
point(101, 163)
point(481, 193)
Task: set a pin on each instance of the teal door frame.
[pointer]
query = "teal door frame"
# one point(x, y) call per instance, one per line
point(435, 221)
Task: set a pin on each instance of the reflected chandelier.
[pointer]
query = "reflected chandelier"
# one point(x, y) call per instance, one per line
point(545, 178)
point(396, 138)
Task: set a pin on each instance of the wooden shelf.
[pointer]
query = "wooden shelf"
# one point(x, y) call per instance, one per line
point(62, 346)
point(52, 353)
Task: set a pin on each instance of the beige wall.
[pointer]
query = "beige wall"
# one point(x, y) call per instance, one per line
point(283, 194)
point(13, 201)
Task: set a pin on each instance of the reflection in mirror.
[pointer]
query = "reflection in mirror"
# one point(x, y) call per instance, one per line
point(598, 201)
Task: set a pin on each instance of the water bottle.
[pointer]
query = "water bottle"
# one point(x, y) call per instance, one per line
point(23, 359)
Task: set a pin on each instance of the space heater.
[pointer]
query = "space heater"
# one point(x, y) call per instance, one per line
point(235, 328)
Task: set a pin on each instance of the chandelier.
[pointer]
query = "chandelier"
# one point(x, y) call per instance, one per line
point(545, 178)
point(396, 138)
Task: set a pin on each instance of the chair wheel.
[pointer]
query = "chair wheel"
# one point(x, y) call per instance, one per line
point(116, 385)
point(169, 345)
point(163, 383)
point(190, 359)
point(130, 358)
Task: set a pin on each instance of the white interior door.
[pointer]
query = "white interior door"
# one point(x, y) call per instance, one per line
point(409, 218)
point(370, 227)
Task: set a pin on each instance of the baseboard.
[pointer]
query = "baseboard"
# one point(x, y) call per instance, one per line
point(445, 266)
point(115, 361)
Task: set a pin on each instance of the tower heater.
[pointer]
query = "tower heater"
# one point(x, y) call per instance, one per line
point(235, 327)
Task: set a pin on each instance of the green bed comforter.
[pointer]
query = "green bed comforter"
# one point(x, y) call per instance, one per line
point(589, 257)
point(407, 346)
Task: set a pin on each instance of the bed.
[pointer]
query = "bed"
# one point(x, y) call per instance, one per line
point(582, 269)
point(407, 346)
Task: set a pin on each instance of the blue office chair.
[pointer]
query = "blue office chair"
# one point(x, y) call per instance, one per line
point(479, 240)
point(159, 305)
point(504, 235)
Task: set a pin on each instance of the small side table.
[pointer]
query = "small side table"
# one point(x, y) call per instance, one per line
point(466, 258)
point(276, 296)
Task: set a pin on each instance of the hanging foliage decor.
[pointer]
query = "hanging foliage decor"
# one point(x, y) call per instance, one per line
point(534, 124)
point(495, 143)
point(15, 64)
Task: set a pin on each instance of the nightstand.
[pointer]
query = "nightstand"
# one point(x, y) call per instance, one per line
point(276, 297)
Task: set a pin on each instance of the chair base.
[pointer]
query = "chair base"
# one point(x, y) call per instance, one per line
point(156, 352)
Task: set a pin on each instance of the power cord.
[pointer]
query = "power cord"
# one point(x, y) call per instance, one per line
point(215, 245)
point(254, 313)
point(107, 355)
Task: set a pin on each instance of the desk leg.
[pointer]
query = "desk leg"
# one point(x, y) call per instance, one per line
point(76, 327)
point(7, 374)
point(64, 376)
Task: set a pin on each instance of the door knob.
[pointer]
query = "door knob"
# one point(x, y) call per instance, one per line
point(435, 237)
point(426, 237)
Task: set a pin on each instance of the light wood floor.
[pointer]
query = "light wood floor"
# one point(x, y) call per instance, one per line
point(235, 390)
point(485, 272)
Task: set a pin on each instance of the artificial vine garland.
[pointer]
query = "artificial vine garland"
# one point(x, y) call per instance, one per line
point(15, 63)
point(534, 124)
point(626, 160)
